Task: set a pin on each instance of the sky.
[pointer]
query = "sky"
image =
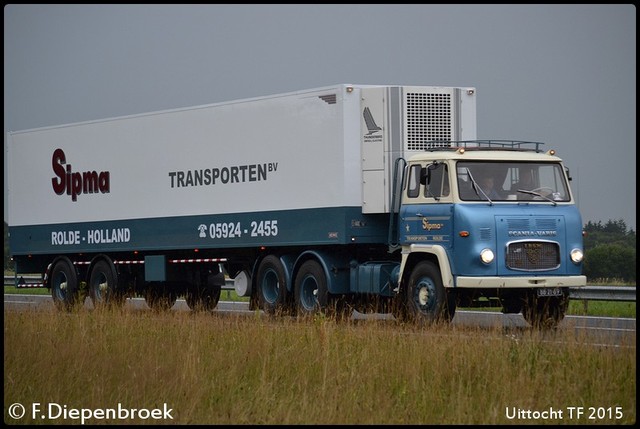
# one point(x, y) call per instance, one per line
point(564, 75)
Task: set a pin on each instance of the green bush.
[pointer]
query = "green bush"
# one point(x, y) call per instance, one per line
point(611, 261)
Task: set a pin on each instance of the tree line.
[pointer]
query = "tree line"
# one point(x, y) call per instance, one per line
point(610, 251)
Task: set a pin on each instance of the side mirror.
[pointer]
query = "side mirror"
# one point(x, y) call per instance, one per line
point(425, 175)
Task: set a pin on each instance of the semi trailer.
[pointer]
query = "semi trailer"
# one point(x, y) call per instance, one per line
point(349, 197)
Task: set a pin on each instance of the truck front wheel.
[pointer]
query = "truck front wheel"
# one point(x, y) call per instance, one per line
point(427, 300)
point(64, 285)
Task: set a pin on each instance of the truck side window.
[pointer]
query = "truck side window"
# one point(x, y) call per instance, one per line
point(413, 190)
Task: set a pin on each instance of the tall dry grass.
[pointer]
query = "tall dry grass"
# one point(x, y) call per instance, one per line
point(222, 369)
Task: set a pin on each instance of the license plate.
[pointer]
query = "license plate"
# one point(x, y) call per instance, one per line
point(550, 291)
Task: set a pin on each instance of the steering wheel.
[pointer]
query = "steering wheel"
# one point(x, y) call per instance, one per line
point(544, 191)
point(543, 188)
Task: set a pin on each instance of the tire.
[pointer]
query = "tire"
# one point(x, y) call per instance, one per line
point(545, 312)
point(103, 285)
point(160, 297)
point(203, 297)
point(311, 291)
point(427, 301)
point(272, 286)
point(64, 285)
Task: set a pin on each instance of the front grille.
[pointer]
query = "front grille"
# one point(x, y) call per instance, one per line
point(533, 255)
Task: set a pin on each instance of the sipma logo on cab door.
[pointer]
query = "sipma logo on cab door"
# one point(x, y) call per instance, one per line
point(73, 183)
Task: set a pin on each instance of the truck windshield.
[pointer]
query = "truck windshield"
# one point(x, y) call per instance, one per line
point(511, 181)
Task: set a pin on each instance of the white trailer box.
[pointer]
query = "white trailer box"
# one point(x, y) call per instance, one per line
point(204, 167)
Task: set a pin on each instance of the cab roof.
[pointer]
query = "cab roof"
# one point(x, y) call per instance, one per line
point(487, 150)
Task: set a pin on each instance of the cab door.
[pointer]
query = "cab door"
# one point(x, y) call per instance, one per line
point(426, 212)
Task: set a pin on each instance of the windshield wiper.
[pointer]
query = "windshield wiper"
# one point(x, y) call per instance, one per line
point(477, 187)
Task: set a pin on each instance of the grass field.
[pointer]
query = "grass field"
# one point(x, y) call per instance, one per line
point(225, 369)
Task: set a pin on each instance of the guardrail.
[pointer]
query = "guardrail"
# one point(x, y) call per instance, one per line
point(586, 293)
point(604, 293)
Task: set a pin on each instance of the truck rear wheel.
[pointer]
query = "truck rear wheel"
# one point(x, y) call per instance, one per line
point(311, 289)
point(427, 300)
point(545, 312)
point(272, 285)
point(64, 285)
point(103, 285)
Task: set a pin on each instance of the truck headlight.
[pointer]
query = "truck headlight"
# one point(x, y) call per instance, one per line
point(577, 256)
point(487, 256)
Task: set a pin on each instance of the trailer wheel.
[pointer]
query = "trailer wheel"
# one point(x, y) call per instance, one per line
point(272, 285)
point(64, 285)
point(311, 291)
point(545, 312)
point(159, 296)
point(103, 285)
point(427, 300)
point(205, 297)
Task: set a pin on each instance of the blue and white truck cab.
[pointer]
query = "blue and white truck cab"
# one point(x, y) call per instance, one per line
point(485, 223)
